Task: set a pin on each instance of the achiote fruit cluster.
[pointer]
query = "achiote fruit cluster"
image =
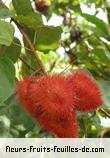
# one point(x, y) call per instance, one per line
point(54, 100)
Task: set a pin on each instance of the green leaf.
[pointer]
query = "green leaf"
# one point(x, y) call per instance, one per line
point(4, 126)
point(48, 37)
point(18, 121)
point(13, 51)
point(105, 88)
point(22, 7)
point(7, 79)
point(25, 71)
point(33, 20)
point(102, 55)
point(18, 116)
point(6, 33)
point(5, 13)
point(44, 34)
point(101, 26)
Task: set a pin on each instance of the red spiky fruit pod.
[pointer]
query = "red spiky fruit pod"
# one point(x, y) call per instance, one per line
point(41, 5)
point(50, 100)
point(23, 93)
point(62, 127)
point(89, 96)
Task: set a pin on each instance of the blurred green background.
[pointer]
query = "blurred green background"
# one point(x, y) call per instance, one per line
point(67, 35)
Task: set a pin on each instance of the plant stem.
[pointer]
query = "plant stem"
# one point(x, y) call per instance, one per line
point(105, 112)
point(27, 64)
point(2, 4)
point(38, 61)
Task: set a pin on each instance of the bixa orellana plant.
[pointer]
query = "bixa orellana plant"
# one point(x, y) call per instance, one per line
point(54, 100)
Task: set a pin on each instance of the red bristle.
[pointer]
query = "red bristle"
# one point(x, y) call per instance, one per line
point(50, 100)
point(62, 128)
point(89, 96)
point(23, 93)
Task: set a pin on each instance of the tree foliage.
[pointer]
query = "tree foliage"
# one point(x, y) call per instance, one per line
point(57, 36)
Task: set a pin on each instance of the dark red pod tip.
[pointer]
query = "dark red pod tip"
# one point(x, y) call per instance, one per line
point(41, 6)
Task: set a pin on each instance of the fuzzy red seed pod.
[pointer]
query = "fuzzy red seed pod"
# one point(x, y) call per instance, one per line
point(23, 94)
point(89, 96)
point(62, 127)
point(50, 100)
